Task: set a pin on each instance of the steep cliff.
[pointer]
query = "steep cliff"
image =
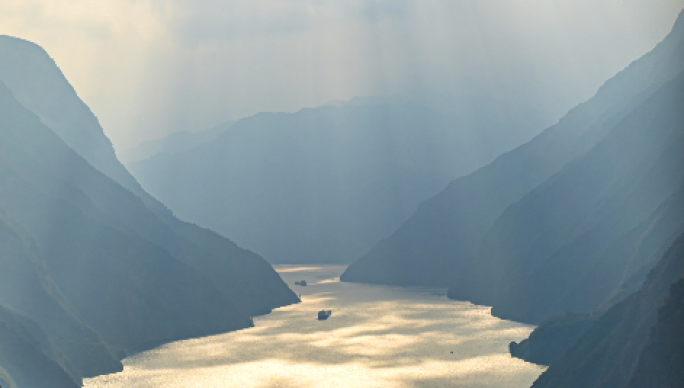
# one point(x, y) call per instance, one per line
point(27, 358)
point(608, 353)
point(661, 361)
point(27, 288)
point(39, 85)
point(550, 252)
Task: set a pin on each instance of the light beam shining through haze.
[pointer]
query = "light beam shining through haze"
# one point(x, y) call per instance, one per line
point(150, 67)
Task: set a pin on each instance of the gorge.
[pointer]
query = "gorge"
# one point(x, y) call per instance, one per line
point(455, 241)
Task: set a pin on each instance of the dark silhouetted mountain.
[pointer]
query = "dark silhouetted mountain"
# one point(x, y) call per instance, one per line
point(27, 358)
point(33, 75)
point(552, 339)
point(174, 143)
point(607, 354)
point(443, 243)
point(323, 184)
point(661, 361)
point(27, 288)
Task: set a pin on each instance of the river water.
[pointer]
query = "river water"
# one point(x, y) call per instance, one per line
point(377, 336)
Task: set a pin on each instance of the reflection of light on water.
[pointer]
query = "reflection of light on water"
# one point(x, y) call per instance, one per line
point(327, 281)
point(377, 337)
point(289, 269)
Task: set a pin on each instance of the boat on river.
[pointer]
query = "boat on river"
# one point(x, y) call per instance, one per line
point(324, 314)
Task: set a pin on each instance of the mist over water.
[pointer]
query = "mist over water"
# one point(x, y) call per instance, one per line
point(378, 336)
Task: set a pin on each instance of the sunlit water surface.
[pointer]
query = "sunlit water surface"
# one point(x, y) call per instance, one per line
point(377, 337)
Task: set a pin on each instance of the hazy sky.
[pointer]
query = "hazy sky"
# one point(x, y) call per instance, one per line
point(151, 67)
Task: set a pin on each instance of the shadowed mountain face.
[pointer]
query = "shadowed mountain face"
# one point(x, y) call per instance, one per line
point(558, 238)
point(324, 184)
point(34, 76)
point(550, 340)
point(642, 246)
point(660, 363)
point(608, 353)
point(112, 271)
point(121, 284)
point(40, 86)
point(27, 288)
point(27, 357)
point(541, 215)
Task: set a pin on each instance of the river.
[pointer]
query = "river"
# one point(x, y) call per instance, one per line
point(377, 336)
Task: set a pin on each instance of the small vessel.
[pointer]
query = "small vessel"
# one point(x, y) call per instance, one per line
point(324, 314)
point(301, 283)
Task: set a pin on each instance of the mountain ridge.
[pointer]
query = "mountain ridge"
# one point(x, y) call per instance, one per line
point(321, 184)
point(173, 143)
point(110, 260)
point(440, 243)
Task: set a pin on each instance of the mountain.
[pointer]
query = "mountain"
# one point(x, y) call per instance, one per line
point(558, 237)
point(124, 286)
point(104, 269)
point(39, 85)
point(174, 143)
point(641, 248)
point(634, 253)
point(33, 76)
point(553, 338)
point(660, 363)
point(608, 354)
point(324, 184)
point(27, 358)
point(448, 241)
point(27, 289)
